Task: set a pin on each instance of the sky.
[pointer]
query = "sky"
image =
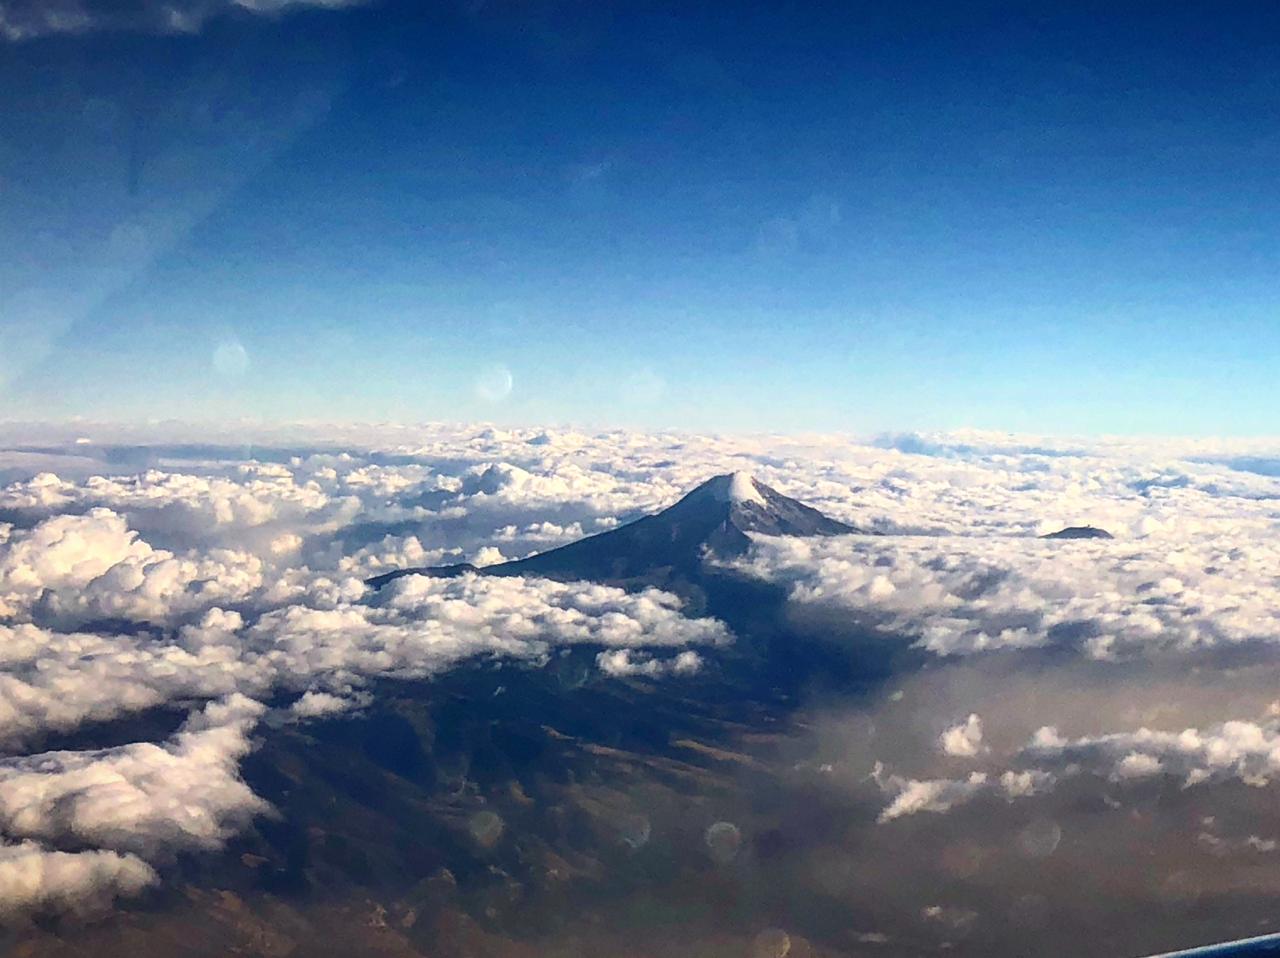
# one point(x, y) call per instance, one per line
point(1051, 218)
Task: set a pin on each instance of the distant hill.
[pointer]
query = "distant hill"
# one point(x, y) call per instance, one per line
point(1079, 532)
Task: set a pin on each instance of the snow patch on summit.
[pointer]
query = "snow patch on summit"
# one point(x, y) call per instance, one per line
point(738, 487)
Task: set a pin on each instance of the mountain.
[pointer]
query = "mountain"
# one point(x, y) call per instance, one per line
point(715, 518)
point(668, 550)
point(1079, 532)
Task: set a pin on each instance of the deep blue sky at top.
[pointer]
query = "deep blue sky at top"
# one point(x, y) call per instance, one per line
point(1056, 218)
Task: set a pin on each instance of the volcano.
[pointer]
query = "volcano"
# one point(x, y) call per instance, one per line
point(714, 519)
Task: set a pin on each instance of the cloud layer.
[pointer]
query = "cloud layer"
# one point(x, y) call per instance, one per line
point(258, 591)
point(959, 595)
point(136, 575)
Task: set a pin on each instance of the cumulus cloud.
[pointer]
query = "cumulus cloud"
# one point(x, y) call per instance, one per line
point(149, 800)
point(72, 569)
point(910, 796)
point(35, 878)
point(1244, 750)
point(395, 552)
point(314, 704)
point(70, 551)
point(252, 505)
point(1025, 783)
point(963, 740)
point(142, 798)
point(521, 490)
point(934, 795)
point(315, 633)
point(30, 19)
point(54, 681)
point(1239, 750)
point(117, 807)
point(75, 571)
point(623, 662)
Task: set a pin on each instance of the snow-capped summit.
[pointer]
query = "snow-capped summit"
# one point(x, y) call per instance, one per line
point(741, 503)
point(736, 487)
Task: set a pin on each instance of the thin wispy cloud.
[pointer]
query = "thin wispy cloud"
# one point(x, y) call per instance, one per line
point(31, 19)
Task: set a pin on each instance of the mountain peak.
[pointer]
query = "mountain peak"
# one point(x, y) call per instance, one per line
point(735, 487)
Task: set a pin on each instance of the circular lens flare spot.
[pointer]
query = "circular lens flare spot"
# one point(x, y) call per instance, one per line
point(494, 383)
point(230, 359)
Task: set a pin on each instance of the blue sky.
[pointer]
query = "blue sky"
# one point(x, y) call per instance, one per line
point(749, 217)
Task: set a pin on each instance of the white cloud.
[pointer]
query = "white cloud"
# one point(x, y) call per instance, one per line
point(933, 795)
point(686, 663)
point(53, 681)
point(395, 552)
point(150, 800)
point(73, 569)
point(419, 625)
point(33, 878)
point(298, 630)
point(623, 662)
point(1237, 749)
point(488, 555)
point(142, 798)
point(1138, 765)
point(1025, 783)
point(69, 551)
point(323, 704)
point(251, 506)
point(963, 740)
point(911, 796)
point(963, 595)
